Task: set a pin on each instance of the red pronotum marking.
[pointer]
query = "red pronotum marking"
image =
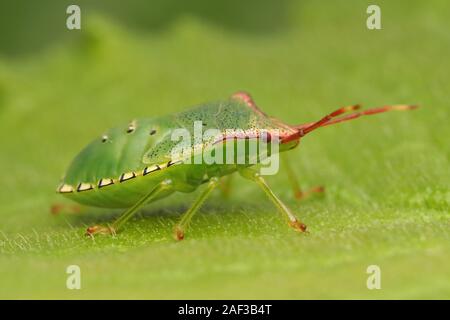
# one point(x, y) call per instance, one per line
point(248, 100)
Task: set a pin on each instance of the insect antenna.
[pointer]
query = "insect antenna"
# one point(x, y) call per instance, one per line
point(331, 118)
point(327, 118)
point(334, 118)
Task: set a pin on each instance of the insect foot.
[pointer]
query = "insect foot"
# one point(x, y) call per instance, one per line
point(91, 231)
point(59, 208)
point(299, 195)
point(298, 226)
point(178, 233)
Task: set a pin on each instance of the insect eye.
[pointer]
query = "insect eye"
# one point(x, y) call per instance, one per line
point(152, 132)
point(104, 138)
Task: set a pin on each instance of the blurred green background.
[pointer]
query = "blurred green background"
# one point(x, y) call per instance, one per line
point(386, 177)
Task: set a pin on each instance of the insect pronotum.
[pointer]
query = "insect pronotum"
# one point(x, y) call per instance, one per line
point(130, 166)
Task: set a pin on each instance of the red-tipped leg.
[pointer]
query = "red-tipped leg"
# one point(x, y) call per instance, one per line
point(298, 226)
point(112, 230)
point(298, 193)
point(225, 186)
point(91, 231)
point(293, 222)
point(181, 227)
point(60, 208)
point(178, 233)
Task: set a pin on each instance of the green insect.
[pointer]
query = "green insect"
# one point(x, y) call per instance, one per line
point(132, 165)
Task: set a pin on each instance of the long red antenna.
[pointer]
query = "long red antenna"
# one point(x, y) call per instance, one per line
point(329, 119)
point(369, 112)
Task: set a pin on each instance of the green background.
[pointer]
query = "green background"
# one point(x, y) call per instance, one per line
point(386, 177)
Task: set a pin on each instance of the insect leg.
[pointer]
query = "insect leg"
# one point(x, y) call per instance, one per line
point(164, 185)
point(182, 225)
point(298, 193)
point(225, 185)
point(256, 177)
point(61, 208)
